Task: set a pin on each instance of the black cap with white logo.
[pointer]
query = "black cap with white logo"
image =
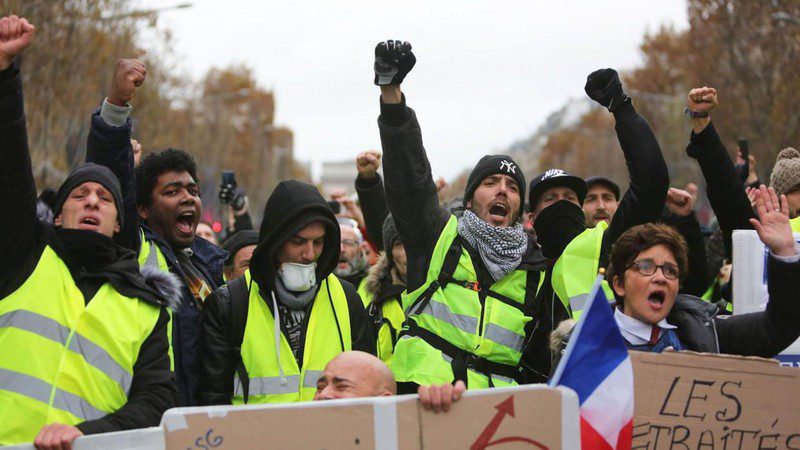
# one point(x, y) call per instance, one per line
point(553, 178)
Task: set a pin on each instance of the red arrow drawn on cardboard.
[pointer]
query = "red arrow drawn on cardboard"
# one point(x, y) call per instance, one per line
point(504, 408)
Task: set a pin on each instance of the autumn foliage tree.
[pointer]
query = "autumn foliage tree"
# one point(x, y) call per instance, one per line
point(225, 119)
point(748, 50)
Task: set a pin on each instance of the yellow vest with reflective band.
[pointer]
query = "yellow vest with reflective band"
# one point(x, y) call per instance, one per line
point(63, 360)
point(576, 270)
point(795, 223)
point(151, 256)
point(274, 375)
point(459, 329)
point(391, 318)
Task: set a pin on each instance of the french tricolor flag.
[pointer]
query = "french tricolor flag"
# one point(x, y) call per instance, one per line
point(597, 367)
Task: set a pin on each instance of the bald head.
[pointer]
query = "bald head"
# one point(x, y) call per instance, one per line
point(355, 374)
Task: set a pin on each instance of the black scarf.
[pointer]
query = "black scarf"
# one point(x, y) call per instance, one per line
point(94, 258)
point(557, 225)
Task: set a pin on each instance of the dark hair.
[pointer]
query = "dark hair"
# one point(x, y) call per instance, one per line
point(155, 164)
point(640, 238)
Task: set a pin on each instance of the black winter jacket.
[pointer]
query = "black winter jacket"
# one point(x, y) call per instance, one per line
point(414, 204)
point(762, 334)
point(291, 207)
point(697, 279)
point(724, 188)
point(23, 238)
point(372, 199)
point(643, 202)
point(110, 146)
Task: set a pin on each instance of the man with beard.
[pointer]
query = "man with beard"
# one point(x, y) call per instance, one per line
point(162, 209)
point(352, 266)
point(268, 335)
point(83, 333)
point(471, 279)
point(601, 202)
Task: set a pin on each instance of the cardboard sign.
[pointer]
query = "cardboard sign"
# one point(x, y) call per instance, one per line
point(750, 283)
point(141, 439)
point(532, 417)
point(687, 400)
point(529, 417)
point(345, 424)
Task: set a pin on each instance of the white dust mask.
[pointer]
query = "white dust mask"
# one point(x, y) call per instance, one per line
point(298, 277)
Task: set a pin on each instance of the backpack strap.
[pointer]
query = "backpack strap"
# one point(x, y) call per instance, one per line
point(239, 299)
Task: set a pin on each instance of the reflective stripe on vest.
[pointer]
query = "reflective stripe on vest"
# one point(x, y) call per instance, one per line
point(487, 323)
point(323, 341)
point(575, 270)
point(152, 256)
point(84, 353)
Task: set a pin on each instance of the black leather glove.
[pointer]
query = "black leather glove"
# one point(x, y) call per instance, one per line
point(393, 61)
point(226, 193)
point(229, 194)
point(604, 87)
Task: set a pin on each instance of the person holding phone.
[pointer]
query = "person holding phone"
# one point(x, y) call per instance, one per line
point(238, 204)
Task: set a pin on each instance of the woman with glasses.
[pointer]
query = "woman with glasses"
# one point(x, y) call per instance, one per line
point(648, 263)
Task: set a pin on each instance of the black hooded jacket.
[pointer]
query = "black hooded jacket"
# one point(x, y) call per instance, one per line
point(292, 206)
point(92, 259)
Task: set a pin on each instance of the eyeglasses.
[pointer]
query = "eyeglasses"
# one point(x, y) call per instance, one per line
point(647, 268)
point(350, 243)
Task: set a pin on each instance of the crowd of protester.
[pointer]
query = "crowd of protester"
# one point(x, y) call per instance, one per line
point(118, 303)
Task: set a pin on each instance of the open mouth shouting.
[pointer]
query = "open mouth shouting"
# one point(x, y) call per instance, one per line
point(90, 222)
point(499, 211)
point(186, 223)
point(656, 299)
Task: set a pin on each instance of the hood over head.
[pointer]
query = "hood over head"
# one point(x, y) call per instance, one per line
point(292, 205)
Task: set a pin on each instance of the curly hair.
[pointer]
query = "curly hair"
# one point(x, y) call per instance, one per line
point(155, 164)
point(639, 239)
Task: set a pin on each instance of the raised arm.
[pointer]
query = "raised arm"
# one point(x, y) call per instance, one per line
point(17, 187)
point(767, 333)
point(680, 204)
point(109, 142)
point(649, 178)
point(372, 195)
point(724, 188)
point(410, 190)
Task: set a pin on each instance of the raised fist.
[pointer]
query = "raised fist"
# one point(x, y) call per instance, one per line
point(604, 87)
point(702, 99)
point(129, 74)
point(393, 61)
point(368, 163)
point(680, 202)
point(15, 35)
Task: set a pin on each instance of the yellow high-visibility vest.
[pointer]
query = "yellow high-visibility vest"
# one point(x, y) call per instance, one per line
point(63, 360)
point(273, 373)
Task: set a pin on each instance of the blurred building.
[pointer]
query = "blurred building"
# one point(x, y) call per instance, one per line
point(337, 175)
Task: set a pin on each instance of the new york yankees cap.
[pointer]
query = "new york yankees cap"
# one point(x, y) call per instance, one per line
point(552, 178)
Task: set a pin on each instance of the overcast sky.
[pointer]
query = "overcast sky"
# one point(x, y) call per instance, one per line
point(487, 73)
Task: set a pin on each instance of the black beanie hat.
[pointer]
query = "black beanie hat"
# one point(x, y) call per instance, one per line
point(491, 165)
point(238, 240)
point(90, 172)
